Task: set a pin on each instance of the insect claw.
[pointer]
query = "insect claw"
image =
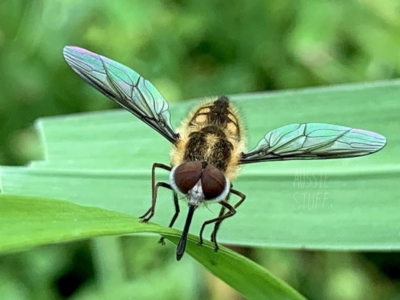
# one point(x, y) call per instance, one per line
point(148, 214)
point(216, 248)
point(161, 241)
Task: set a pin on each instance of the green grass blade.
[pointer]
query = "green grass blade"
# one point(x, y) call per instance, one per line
point(27, 222)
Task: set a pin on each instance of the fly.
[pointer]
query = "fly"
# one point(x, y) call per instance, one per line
point(208, 148)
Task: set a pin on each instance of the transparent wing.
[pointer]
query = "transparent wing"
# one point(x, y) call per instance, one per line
point(314, 141)
point(124, 86)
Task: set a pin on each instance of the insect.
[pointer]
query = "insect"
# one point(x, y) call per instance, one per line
point(209, 146)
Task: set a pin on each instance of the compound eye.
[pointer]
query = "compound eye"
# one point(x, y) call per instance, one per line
point(186, 175)
point(214, 184)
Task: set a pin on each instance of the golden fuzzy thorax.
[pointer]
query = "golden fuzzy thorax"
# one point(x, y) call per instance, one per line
point(212, 132)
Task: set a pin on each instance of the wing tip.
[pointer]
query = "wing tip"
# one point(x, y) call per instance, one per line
point(376, 140)
point(76, 51)
point(71, 49)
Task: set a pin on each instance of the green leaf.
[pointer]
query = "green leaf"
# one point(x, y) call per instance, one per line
point(28, 222)
point(104, 160)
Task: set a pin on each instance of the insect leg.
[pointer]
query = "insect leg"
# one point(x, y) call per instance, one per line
point(220, 218)
point(230, 213)
point(154, 187)
point(217, 224)
point(239, 194)
point(176, 204)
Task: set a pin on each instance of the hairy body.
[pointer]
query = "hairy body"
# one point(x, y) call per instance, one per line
point(212, 133)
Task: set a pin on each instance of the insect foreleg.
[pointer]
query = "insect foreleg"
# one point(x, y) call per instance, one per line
point(154, 188)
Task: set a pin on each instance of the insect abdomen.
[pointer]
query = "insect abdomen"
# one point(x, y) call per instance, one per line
point(218, 113)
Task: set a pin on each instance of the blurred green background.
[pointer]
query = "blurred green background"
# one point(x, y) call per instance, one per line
point(187, 49)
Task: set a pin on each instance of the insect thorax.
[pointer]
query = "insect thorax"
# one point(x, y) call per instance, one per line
point(212, 133)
